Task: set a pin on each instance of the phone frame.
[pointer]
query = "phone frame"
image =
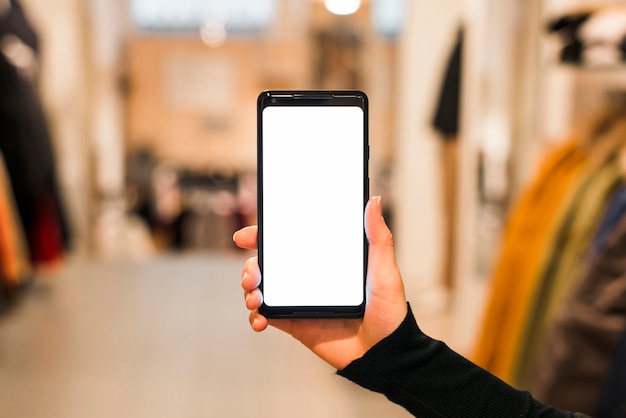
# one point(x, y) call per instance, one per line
point(311, 98)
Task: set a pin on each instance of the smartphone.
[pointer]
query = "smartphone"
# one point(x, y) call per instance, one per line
point(313, 184)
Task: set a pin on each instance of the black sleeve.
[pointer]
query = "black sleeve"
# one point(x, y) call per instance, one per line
point(430, 380)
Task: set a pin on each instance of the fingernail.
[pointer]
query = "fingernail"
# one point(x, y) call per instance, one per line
point(244, 277)
point(377, 201)
point(234, 235)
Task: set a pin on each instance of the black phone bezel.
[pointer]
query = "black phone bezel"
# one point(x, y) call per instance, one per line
point(311, 98)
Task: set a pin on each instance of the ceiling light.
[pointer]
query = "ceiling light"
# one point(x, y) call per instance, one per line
point(342, 7)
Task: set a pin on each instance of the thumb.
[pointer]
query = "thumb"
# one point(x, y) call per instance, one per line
point(381, 263)
point(386, 298)
point(378, 234)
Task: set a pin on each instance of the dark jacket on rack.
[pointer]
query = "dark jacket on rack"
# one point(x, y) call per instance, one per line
point(578, 352)
point(25, 143)
point(612, 402)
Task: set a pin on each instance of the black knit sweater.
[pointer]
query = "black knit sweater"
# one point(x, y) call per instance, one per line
point(430, 380)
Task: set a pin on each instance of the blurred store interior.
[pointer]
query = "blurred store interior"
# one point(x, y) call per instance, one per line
point(128, 137)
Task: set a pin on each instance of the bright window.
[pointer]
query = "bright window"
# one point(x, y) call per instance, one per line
point(388, 16)
point(236, 16)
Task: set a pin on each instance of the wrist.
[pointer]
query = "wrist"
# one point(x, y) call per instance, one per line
point(390, 325)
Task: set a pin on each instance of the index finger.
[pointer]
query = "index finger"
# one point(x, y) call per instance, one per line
point(246, 237)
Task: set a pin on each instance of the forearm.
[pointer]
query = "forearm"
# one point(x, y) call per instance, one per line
point(429, 379)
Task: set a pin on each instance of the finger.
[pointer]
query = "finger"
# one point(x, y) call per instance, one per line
point(246, 237)
point(251, 275)
point(254, 299)
point(257, 321)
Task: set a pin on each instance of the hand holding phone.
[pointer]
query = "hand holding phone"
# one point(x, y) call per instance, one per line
point(338, 342)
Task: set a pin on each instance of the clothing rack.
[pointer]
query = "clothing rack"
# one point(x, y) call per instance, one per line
point(556, 310)
point(33, 229)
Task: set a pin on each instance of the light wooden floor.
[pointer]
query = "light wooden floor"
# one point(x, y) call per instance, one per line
point(167, 337)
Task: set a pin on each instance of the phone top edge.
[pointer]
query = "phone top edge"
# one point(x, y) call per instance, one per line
point(340, 92)
point(276, 97)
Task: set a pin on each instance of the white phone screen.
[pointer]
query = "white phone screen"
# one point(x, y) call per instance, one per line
point(313, 197)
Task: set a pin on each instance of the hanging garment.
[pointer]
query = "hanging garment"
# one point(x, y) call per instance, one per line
point(566, 28)
point(612, 403)
point(615, 212)
point(44, 234)
point(567, 258)
point(14, 261)
point(592, 38)
point(529, 233)
point(26, 145)
point(16, 23)
point(446, 123)
point(576, 356)
point(447, 112)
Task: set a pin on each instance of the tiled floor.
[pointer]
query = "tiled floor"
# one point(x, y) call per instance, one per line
point(167, 337)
